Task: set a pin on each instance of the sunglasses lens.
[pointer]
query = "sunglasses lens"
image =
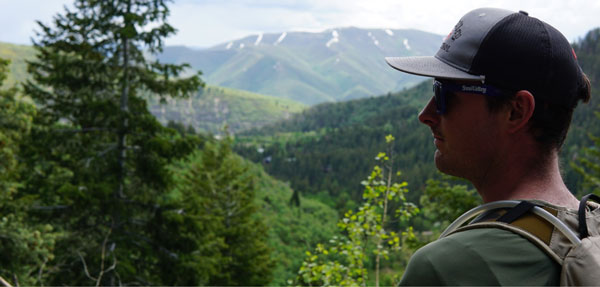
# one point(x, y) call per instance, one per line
point(439, 97)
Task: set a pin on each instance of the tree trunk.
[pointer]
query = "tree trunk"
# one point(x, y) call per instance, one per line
point(122, 148)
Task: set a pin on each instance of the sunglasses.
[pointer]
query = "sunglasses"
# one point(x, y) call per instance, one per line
point(442, 90)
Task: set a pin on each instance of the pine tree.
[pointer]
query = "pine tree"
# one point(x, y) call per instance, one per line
point(26, 247)
point(99, 157)
point(229, 239)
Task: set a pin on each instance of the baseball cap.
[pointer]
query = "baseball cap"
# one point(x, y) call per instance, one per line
point(507, 49)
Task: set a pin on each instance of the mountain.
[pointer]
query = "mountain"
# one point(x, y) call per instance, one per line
point(334, 65)
point(17, 54)
point(208, 110)
point(214, 107)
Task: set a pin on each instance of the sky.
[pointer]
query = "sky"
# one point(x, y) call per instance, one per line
point(205, 23)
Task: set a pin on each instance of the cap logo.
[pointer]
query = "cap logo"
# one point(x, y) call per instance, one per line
point(477, 89)
point(457, 31)
point(453, 35)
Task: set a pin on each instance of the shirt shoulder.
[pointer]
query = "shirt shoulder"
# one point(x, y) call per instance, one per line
point(484, 256)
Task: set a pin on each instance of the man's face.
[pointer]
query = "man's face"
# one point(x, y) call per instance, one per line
point(465, 136)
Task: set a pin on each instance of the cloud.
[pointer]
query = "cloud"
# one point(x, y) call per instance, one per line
point(220, 20)
point(205, 23)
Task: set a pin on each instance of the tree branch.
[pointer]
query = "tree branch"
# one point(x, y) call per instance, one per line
point(85, 269)
point(41, 272)
point(4, 282)
point(84, 130)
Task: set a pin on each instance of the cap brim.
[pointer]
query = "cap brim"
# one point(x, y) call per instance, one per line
point(429, 66)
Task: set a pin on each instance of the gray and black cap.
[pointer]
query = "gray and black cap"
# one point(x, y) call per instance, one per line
point(510, 50)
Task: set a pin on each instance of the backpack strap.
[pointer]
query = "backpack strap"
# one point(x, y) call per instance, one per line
point(516, 212)
point(544, 214)
point(520, 220)
point(583, 229)
point(521, 216)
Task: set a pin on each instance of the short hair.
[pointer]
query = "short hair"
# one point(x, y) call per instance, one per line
point(550, 122)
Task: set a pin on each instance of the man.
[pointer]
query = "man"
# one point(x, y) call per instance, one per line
point(505, 85)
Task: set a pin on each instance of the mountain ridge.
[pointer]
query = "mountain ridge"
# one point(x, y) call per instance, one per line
point(334, 65)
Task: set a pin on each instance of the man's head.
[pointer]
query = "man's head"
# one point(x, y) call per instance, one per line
point(508, 52)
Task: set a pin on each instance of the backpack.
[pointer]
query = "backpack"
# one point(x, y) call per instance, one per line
point(571, 239)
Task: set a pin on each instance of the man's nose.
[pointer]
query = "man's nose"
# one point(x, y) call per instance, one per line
point(429, 115)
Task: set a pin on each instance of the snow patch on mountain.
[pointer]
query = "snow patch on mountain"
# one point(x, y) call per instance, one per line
point(258, 39)
point(335, 38)
point(406, 45)
point(375, 41)
point(389, 32)
point(229, 46)
point(242, 45)
point(280, 38)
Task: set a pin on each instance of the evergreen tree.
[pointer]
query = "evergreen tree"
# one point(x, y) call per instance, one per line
point(97, 156)
point(25, 247)
point(227, 245)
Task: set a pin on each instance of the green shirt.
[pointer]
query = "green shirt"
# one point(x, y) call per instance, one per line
point(483, 256)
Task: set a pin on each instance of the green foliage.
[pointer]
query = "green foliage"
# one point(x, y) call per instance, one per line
point(585, 121)
point(586, 160)
point(345, 261)
point(15, 123)
point(26, 247)
point(291, 228)
point(96, 159)
point(588, 165)
point(220, 239)
point(442, 202)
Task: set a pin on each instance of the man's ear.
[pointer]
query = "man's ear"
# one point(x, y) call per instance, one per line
point(520, 110)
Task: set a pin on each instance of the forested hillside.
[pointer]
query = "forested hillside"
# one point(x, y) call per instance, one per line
point(212, 108)
point(585, 121)
point(319, 150)
point(216, 179)
point(322, 149)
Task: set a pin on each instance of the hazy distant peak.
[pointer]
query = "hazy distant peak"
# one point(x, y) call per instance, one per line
point(310, 67)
